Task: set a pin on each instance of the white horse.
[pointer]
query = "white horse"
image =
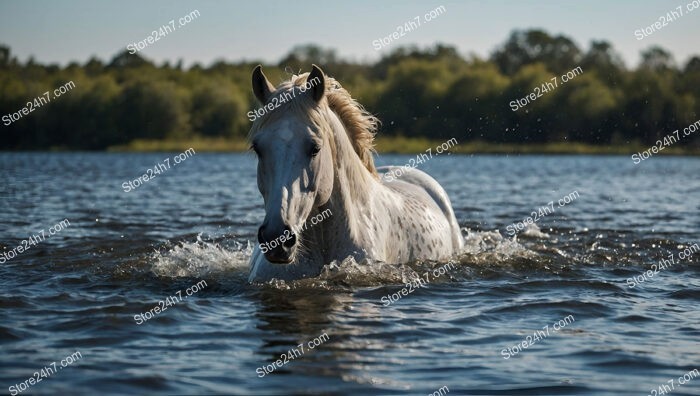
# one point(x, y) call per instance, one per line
point(314, 145)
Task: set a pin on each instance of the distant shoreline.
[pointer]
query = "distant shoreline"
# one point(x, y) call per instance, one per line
point(394, 145)
point(403, 145)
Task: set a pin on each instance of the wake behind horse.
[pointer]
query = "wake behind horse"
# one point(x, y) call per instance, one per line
point(315, 165)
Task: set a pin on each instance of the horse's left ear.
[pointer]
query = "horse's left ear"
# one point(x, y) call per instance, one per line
point(317, 81)
point(261, 86)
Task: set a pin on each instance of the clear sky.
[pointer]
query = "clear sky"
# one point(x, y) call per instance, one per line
point(63, 31)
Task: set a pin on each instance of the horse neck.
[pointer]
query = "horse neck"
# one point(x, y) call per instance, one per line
point(353, 186)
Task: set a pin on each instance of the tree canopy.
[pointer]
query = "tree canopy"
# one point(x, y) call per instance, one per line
point(417, 92)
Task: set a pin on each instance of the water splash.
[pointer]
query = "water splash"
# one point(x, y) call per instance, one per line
point(201, 258)
point(366, 272)
point(534, 232)
point(492, 245)
point(204, 258)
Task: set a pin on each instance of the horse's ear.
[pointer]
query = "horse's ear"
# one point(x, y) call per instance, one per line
point(261, 86)
point(317, 81)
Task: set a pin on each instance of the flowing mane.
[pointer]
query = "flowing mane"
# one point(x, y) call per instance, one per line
point(360, 125)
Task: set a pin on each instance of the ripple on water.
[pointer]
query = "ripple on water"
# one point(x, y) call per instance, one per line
point(125, 253)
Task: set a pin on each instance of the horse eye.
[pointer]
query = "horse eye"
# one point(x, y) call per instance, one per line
point(315, 150)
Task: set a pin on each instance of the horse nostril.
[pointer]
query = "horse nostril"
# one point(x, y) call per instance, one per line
point(291, 241)
point(285, 238)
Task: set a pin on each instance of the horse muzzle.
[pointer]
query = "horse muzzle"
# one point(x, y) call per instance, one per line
point(278, 248)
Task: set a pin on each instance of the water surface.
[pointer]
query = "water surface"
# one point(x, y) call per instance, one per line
point(123, 252)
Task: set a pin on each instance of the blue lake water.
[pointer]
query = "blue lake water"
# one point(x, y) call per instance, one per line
point(562, 286)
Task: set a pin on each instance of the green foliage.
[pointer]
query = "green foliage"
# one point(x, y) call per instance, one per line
point(474, 103)
point(152, 109)
point(411, 99)
point(525, 47)
point(421, 95)
point(218, 109)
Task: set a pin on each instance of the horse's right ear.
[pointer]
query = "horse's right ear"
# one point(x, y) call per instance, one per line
point(261, 86)
point(317, 80)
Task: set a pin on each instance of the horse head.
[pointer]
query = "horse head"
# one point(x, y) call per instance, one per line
point(291, 140)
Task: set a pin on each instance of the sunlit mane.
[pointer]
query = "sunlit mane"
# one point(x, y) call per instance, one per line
point(359, 124)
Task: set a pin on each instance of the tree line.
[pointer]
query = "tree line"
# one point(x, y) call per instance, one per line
point(417, 92)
